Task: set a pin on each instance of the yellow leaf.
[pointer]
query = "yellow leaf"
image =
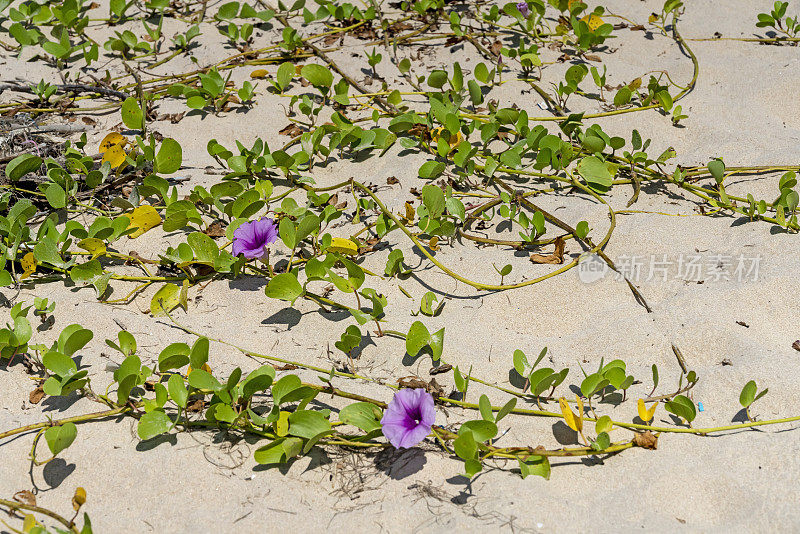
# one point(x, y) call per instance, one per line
point(79, 498)
point(409, 216)
point(205, 368)
point(259, 73)
point(646, 414)
point(569, 416)
point(433, 244)
point(28, 265)
point(652, 18)
point(112, 139)
point(343, 246)
point(143, 219)
point(579, 419)
point(453, 141)
point(635, 84)
point(114, 155)
point(29, 523)
point(96, 247)
point(593, 21)
point(165, 300)
point(282, 424)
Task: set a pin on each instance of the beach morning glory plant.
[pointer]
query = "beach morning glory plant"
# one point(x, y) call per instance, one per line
point(408, 418)
point(251, 238)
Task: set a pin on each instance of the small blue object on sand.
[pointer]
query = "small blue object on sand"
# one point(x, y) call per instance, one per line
point(700, 406)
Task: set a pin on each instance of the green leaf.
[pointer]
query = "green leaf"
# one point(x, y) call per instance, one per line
point(308, 424)
point(73, 338)
point(174, 356)
point(56, 196)
point(683, 407)
point(520, 362)
point(169, 157)
point(603, 424)
point(199, 353)
point(481, 430)
point(748, 394)
point(431, 169)
point(59, 364)
point(506, 409)
point(258, 380)
point(285, 74)
point(465, 446)
point(132, 114)
point(595, 172)
point(284, 286)
point(177, 390)
point(417, 338)
point(201, 379)
point(153, 424)
point(319, 76)
point(363, 415)
point(623, 96)
point(60, 437)
point(437, 79)
point(485, 408)
point(535, 465)
point(717, 169)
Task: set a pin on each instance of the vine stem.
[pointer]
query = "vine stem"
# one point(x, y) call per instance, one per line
point(15, 506)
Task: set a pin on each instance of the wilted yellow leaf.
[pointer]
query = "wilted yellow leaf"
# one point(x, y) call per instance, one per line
point(433, 243)
point(580, 412)
point(143, 218)
point(343, 246)
point(259, 73)
point(453, 141)
point(114, 155)
point(79, 498)
point(96, 247)
point(28, 265)
point(593, 21)
point(408, 218)
point(29, 523)
point(646, 414)
point(205, 368)
point(112, 139)
point(573, 422)
point(635, 84)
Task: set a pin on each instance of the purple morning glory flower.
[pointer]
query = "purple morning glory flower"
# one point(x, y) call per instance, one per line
point(524, 9)
point(408, 418)
point(252, 238)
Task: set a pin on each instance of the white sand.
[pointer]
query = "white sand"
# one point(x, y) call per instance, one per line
point(744, 108)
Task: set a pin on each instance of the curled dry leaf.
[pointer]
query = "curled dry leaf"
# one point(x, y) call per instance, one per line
point(36, 395)
point(796, 345)
point(25, 497)
point(292, 130)
point(555, 258)
point(645, 440)
point(215, 230)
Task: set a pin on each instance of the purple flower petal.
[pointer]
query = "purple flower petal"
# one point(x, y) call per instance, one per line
point(251, 238)
point(408, 418)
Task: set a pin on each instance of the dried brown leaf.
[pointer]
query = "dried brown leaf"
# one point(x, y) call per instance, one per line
point(645, 440)
point(555, 258)
point(36, 395)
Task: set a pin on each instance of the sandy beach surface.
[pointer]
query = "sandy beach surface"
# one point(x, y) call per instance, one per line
point(731, 326)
